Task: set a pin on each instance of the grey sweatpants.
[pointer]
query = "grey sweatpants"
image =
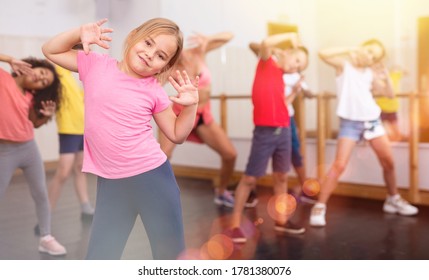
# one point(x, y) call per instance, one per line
point(26, 156)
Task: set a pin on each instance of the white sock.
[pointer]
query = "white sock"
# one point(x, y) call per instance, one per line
point(394, 197)
point(320, 205)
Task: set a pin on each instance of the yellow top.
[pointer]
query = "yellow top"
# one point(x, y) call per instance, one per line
point(391, 105)
point(70, 117)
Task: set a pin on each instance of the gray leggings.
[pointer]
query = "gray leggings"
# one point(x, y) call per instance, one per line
point(26, 156)
point(155, 196)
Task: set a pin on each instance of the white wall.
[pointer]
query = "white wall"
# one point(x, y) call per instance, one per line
point(321, 24)
point(24, 26)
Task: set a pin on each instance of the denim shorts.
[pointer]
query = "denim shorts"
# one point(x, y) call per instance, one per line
point(359, 130)
point(269, 143)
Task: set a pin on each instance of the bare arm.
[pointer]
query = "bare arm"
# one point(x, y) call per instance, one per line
point(218, 40)
point(204, 43)
point(382, 85)
point(300, 87)
point(336, 57)
point(47, 111)
point(19, 67)
point(177, 128)
point(268, 45)
point(59, 48)
point(255, 48)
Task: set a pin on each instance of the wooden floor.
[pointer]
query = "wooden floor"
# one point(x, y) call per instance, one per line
point(357, 229)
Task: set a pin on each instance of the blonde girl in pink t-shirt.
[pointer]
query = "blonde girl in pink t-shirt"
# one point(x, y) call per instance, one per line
point(134, 177)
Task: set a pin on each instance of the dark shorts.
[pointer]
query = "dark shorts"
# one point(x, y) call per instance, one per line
point(70, 143)
point(389, 117)
point(269, 143)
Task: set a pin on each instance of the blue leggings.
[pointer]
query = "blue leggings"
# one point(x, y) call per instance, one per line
point(155, 196)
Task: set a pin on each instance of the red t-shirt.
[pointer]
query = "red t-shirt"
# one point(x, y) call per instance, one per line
point(269, 108)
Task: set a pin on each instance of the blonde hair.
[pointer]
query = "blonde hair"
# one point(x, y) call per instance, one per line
point(378, 43)
point(156, 26)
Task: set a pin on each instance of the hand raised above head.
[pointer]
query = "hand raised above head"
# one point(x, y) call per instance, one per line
point(93, 33)
point(21, 67)
point(187, 92)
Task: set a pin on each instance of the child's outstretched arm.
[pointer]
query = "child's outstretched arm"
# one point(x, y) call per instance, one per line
point(268, 44)
point(59, 48)
point(19, 67)
point(210, 42)
point(177, 128)
point(40, 118)
point(382, 85)
point(255, 48)
point(336, 57)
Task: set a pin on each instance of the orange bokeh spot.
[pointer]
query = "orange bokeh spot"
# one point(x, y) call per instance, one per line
point(281, 205)
point(190, 254)
point(311, 187)
point(219, 247)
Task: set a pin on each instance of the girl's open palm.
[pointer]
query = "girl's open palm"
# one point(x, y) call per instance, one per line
point(48, 108)
point(93, 33)
point(187, 92)
point(21, 67)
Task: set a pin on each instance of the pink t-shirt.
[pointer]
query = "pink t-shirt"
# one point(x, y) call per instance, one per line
point(269, 108)
point(119, 140)
point(15, 106)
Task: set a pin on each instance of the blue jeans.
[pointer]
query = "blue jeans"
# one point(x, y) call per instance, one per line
point(296, 152)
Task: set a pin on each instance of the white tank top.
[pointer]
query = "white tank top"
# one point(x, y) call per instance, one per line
point(355, 100)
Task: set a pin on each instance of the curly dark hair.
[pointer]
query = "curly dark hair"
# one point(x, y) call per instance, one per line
point(52, 92)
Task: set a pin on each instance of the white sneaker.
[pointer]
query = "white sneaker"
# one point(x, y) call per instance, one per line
point(48, 244)
point(399, 205)
point(317, 217)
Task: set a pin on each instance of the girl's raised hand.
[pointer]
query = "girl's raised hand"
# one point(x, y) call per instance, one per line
point(48, 108)
point(21, 67)
point(93, 33)
point(187, 92)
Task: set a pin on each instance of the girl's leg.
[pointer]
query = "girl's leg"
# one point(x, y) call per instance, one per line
point(113, 220)
point(329, 183)
point(215, 137)
point(383, 150)
point(81, 184)
point(246, 184)
point(158, 201)
point(280, 189)
point(32, 166)
point(296, 154)
point(394, 203)
point(65, 164)
point(8, 165)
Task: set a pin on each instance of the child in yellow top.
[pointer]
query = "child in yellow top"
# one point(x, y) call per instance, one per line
point(389, 108)
point(70, 124)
